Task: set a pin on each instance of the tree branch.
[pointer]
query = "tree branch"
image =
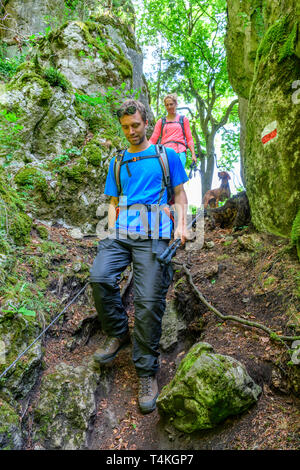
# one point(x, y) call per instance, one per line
point(270, 332)
point(224, 119)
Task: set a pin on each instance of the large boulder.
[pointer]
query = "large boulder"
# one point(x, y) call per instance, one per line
point(65, 408)
point(263, 47)
point(206, 389)
point(272, 156)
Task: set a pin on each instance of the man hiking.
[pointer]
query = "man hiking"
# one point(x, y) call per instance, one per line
point(140, 231)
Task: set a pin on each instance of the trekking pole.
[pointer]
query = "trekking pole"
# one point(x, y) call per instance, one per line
point(44, 331)
point(193, 168)
point(167, 255)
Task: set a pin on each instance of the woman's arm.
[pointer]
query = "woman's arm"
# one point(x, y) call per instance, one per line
point(189, 138)
point(156, 133)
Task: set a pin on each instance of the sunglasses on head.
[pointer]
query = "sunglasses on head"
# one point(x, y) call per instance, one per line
point(130, 110)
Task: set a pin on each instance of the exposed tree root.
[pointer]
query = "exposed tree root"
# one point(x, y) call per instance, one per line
point(270, 332)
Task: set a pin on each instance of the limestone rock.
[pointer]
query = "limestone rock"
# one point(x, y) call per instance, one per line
point(250, 242)
point(263, 49)
point(18, 331)
point(172, 326)
point(76, 234)
point(10, 428)
point(49, 119)
point(65, 408)
point(206, 389)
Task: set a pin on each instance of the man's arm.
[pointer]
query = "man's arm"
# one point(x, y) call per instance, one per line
point(112, 213)
point(181, 204)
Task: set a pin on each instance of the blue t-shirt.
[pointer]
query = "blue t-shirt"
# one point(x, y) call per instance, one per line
point(144, 186)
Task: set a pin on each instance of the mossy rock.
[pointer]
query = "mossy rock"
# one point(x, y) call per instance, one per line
point(20, 229)
point(206, 389)
point(65, 407)
point(43, 232)
point(18, 331)
point(10, 428)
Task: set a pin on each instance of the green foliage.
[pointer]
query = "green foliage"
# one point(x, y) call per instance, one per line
point(98, 110)
point(43, 232)
point(22, 310)
point(9, 134)
point(8, 66)
point(191, 61)
point(64, 157)
point(288, 47)
point(281, 37)
point(295, 233)
point(55, 78)
point(31, 178)
point(230, 148)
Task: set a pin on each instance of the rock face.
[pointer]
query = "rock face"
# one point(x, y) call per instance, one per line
point(65, 408)
point(172, 327)
point(10, 428)
point(18, 331)
point(263, 46)
point(65, 97)
point(206, 389)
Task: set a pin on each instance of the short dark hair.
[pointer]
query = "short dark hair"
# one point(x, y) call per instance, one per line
point(129, 105)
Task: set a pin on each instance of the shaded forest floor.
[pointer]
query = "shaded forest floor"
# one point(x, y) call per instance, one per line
point(260, 284)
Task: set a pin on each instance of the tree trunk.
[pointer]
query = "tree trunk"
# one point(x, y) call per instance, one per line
point(207, 174)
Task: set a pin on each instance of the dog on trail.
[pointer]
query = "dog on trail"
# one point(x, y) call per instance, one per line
point(213, 196)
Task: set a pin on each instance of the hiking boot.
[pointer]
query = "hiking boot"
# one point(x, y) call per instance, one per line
point(110, 348)
point(148, 393)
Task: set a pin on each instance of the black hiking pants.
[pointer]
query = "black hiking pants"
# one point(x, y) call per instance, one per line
point(151, 283)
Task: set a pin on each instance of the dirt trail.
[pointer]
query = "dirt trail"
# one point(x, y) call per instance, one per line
point(235, 286)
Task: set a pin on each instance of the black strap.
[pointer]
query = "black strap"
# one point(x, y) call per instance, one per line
point(181, 122)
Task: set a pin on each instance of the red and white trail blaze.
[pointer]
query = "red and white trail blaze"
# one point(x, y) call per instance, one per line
point(269, 133)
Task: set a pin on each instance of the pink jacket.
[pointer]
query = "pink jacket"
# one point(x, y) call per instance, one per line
point(173, 131)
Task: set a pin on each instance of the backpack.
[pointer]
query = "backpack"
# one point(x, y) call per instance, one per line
point(164, 122)
point(161, 154)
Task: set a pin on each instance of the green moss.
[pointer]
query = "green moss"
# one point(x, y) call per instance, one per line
point(295, 233)
point(56, 79)
point(288, 48)
point(30, 176)
point(95, 37)
point(76, 172)
point(4, 247)
point(29, 75)
point(43, 232)
point(122, 29)
point(93, 154)
point(20, 229)
point(278, 38)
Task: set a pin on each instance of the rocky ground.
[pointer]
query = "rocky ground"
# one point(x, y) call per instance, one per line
point(245, 274)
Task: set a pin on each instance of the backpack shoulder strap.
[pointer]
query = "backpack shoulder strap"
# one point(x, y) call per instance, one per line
point(181, 122)
point(117, 168)
point(164, 163)
point(163, 122)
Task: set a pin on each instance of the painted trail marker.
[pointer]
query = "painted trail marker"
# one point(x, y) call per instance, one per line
point(269, 133)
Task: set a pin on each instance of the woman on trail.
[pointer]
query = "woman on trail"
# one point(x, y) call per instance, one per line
point(174, 131)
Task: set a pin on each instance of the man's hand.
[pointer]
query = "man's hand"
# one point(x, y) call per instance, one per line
point(183, 234)
point(181, 204)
